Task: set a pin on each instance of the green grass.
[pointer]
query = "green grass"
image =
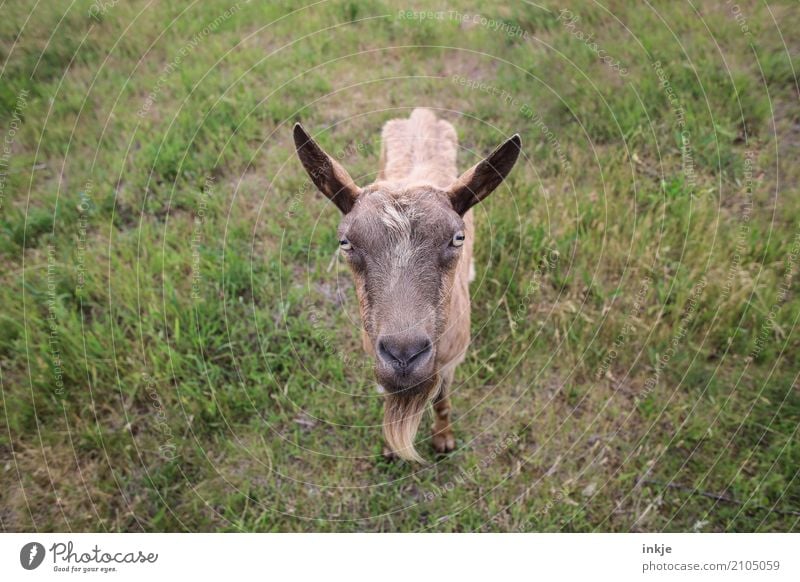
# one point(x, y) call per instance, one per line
point(634, 364)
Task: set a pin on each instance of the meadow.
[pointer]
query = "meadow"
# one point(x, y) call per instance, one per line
point(180, 343)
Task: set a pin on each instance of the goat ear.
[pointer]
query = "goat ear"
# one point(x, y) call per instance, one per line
point(479, 181)
point(326, 173)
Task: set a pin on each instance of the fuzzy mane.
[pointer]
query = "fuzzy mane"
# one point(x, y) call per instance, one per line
point(420, 149)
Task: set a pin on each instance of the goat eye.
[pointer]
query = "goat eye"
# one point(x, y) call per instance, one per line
point(458, 239)
point(344, 244)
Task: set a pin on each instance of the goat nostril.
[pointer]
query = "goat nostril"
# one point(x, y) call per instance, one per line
point(385, 353)
point(422, 350)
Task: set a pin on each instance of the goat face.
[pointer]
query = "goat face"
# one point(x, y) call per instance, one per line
point(403, 246)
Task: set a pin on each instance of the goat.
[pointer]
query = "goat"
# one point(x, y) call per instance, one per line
point(408, 240)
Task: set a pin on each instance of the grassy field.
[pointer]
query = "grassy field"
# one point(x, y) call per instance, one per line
point(179, 344)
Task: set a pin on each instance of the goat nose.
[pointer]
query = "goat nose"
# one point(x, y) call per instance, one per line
point(404, 353)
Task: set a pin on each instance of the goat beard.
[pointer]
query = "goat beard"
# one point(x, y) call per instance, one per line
point(402, 414)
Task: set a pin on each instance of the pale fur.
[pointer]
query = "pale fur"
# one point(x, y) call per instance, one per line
point(422, 150)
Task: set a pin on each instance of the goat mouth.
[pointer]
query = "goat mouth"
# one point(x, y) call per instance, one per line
point(408, 385)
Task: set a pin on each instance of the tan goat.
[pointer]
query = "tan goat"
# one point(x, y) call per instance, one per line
point(408, 240)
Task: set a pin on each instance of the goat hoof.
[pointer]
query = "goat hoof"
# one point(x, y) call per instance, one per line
point(389, 454)
point(444, 442)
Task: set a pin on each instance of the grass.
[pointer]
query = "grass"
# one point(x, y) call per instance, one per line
point(180, 351)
